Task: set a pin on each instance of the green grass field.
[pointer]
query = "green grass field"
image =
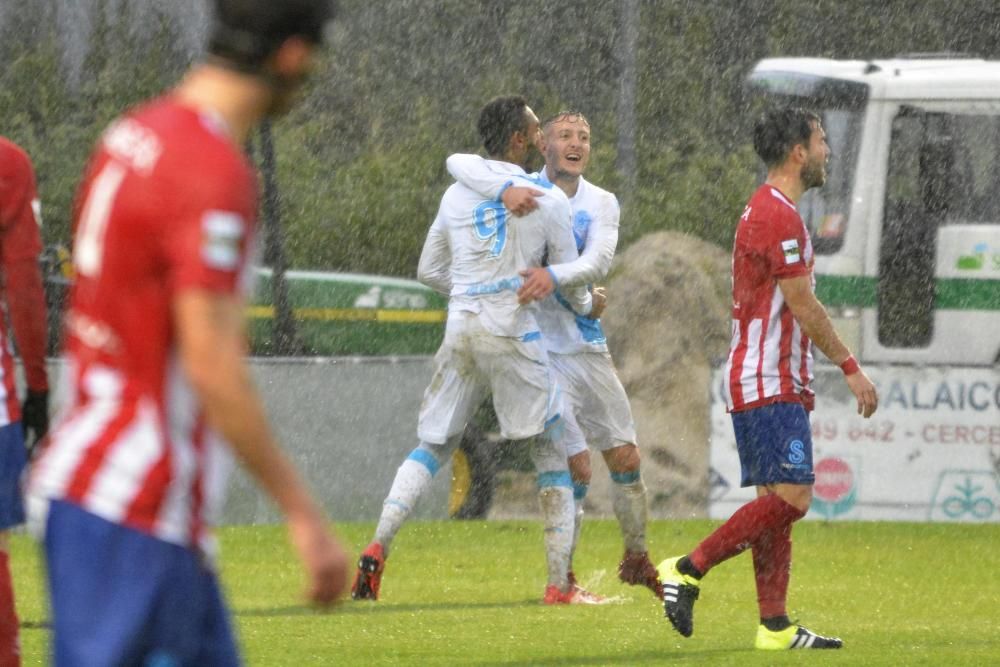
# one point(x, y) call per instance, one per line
point(467, 593)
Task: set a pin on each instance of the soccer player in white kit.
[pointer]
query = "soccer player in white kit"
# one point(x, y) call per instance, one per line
point(492, 343)
point(597, 408)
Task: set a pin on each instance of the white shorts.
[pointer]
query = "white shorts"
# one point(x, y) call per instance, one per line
point(597, 411)
point(470, 362)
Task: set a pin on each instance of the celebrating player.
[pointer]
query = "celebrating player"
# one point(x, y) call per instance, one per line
point(597, 408)
point(492, 343)
point(20, 245)
point(776, 319)
point(158, 388)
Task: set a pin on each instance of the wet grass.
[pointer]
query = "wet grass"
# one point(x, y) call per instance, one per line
point(464, 593)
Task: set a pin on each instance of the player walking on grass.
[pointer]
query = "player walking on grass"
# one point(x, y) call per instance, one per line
point(776, 320)
point(157, 388)
point(597, 410)
point(20, 245)
point(492, 343)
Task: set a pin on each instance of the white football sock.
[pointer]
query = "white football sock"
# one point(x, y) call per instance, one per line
point(412, 479)
point(579, 495)
point(556, 503)
point(628, 498)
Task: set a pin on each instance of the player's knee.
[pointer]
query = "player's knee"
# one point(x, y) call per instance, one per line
point(798, 496)
point(431, 456)
point(804, 500)
point(579, 468)
point(622, 459)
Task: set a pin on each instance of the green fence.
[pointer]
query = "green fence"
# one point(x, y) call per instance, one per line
point(345, 314)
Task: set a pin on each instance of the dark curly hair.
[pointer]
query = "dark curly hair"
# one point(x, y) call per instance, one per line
point(245, 32)
point(499, 120)
point(778, 130)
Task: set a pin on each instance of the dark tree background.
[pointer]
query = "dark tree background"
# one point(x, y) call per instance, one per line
point(360, 163)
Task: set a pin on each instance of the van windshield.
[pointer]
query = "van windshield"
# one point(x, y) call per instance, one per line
point(841, 105)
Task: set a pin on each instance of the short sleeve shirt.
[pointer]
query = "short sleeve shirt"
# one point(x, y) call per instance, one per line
point(770, 358)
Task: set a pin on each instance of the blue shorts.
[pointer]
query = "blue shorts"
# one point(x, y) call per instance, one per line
point(775, 445)
point(122, 597)
point(13, 458)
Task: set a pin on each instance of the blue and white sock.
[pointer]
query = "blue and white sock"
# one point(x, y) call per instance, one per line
point(412, 479)
point(555, 497)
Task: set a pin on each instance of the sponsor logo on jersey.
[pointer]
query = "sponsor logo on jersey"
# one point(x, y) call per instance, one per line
point(790, 248)
point(222, 232)
point(581, 227)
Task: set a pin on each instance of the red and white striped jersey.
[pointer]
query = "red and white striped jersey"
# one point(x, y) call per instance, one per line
point(20, 244)
point(168, 204)
point(770, 358)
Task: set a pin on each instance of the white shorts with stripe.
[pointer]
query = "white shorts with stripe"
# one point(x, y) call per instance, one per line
point(597, 411)
point(471, 362)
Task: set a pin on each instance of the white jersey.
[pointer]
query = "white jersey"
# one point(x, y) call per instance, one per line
point(475, 250)
point(595, 228)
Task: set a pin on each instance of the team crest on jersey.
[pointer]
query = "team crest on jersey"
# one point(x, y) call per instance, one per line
point(221, 234)
point(581, 226)
point(790, 248)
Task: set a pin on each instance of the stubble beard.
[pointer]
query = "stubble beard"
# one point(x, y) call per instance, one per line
point(813, 175)
point(533, 160)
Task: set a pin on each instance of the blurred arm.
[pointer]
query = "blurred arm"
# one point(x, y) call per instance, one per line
point(211, 341)
point(20, 245)
point(28, 318)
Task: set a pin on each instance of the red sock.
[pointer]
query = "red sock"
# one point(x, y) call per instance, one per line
point(743, 529)
point(772, 563)
point(10, 648)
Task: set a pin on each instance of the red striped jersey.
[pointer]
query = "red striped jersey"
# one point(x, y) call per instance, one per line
point(20, 244)
point(770, 358)
point(168, 204)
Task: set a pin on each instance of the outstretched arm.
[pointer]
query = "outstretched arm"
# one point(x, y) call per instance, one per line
point(474, 172)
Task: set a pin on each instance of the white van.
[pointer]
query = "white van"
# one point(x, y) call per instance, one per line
point(906, 233)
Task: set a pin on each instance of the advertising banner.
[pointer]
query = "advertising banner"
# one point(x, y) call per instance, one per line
point(930, 453)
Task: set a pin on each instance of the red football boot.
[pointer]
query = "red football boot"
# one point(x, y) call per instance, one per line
point(368, 580)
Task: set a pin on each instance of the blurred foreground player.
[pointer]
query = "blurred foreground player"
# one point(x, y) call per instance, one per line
point(20, 245)
point(157, 388)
